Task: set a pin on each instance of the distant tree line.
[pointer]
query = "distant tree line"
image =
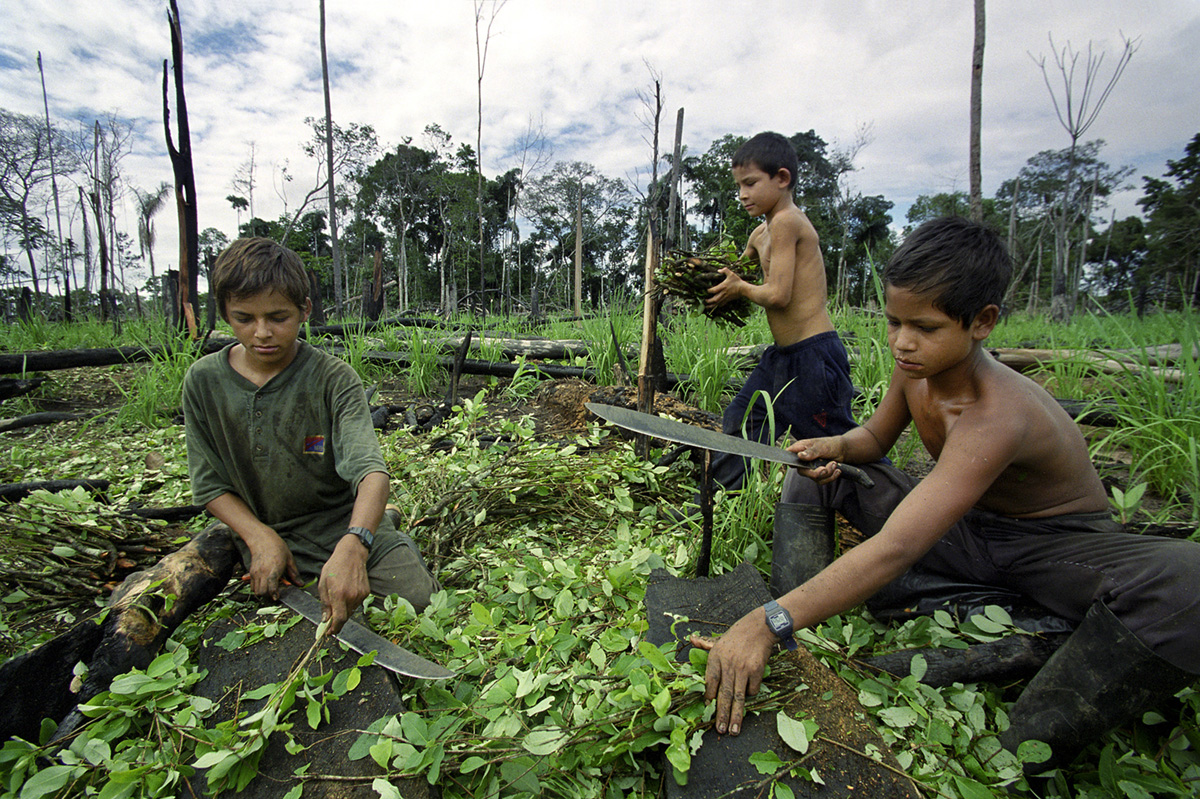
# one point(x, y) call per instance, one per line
point(413, 208)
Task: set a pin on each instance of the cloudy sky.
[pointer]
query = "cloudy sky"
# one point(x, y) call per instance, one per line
point(574, 68)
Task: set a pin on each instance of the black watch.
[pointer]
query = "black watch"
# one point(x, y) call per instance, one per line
point(780, 622)
point(364, 535)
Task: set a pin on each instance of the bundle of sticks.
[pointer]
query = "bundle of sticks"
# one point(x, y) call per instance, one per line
point(688, 276)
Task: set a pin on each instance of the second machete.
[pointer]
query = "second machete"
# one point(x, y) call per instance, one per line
point(693, 436)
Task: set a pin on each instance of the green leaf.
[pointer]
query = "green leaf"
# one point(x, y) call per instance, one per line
point(521, 775)
point(544, 740)
point(414, 728)
point(385, 789)
point(780, 790)
point(970, 789)
point(655, 656)
point(46, 782)
point(766, 762)
point(381, 751)
point(295, 793)
point(679, 755)
point(797, 734)
point(661, 702)
point(313, 714)
point(212, 758)
point(899, 716)
point(471, 763)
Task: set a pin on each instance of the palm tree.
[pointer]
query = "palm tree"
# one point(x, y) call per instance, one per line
point(150, 203)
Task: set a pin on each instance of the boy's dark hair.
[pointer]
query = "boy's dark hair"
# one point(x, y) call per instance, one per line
point(963, 263)
point(250, 266)
point(770, 152)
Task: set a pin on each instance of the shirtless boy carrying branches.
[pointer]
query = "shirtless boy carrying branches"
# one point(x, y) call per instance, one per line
point(805, 372)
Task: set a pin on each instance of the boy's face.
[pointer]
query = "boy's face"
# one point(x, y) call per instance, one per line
point(923, 339)
point(267, 325)
point(759, 192)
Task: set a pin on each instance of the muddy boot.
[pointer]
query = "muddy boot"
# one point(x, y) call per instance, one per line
point(802, 545)
point(1102, 677)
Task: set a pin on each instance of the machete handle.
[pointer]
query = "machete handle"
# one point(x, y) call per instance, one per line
point(853, 472)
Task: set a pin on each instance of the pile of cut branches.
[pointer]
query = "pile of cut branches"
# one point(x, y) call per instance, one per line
point(688, 276)
point(63, 547)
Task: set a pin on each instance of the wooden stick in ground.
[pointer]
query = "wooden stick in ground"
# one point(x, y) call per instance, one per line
point(645, 400)
point(706, 517)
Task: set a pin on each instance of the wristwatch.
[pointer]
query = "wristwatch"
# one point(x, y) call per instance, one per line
point(364, 535)
point(780, 622)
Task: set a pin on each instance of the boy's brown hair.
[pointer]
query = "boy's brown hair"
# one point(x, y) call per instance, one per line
point(254, 265)
point(964, 264)
point(770, 152)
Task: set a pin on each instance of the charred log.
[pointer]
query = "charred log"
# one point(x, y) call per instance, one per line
point(15, 492)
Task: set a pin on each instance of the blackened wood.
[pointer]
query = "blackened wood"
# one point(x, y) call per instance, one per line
point(146, 608)
point(14, 492)
point(10, 388)
point(1013, 657)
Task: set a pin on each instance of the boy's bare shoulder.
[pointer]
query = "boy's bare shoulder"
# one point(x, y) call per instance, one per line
point(793, 220)
point(1046, 467)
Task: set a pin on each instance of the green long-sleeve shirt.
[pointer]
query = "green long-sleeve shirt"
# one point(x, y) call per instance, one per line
point(293, 450)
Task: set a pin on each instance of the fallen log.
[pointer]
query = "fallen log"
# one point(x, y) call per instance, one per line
point(41, 418)
point(1024, 360)
point(15, 492)
point(10, 388)
point(41, 683)
point(1014, 657)
point(16, 363)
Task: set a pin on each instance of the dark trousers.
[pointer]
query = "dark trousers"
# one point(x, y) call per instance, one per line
point(809, 389)
point(1064, 563)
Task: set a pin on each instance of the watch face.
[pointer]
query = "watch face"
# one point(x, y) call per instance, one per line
point(778, 619)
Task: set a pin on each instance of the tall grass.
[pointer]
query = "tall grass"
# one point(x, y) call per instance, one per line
point(425, 370)
point(152, 396)
point(1158, 419)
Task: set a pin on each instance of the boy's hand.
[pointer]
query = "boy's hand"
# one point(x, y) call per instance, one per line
point(344, 583)
point(271, 561)
point(830, 449)
point(736, 663)
point(727, 290)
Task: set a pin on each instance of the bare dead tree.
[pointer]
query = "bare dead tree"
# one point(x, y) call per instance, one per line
point(481, 48)
point(976, 176)
point(333, 231)
point(62, 264)
point(185, 182)
point(1083, 96)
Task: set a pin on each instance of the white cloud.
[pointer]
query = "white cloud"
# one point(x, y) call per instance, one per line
point(252, 72)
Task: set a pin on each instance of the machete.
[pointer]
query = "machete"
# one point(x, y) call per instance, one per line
point(693, 436)
point(362, 640)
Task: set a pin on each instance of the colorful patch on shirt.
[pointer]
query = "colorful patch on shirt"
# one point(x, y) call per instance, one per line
point(314, 445)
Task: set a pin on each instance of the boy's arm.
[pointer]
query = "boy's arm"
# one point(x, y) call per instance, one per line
point(976, 452)
point(779, 276)
point(866, 443)
point(344, 583)
point(270, 558)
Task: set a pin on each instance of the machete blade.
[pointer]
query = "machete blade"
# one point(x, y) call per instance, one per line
point(360, 639)
point(693, 436)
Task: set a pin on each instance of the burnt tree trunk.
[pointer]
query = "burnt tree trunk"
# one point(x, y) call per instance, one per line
point(185, 181)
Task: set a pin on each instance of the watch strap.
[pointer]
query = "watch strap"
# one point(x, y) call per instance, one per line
point(364, 535)
point(780, 623)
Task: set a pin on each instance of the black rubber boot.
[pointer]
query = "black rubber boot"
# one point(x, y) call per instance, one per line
point(802, 545)
point(1102, 677)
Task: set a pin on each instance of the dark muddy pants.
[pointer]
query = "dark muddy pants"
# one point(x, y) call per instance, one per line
point(1064, 563)
point(810, 390)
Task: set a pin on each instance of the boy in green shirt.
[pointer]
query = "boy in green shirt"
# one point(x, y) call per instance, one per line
point(282, 451)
